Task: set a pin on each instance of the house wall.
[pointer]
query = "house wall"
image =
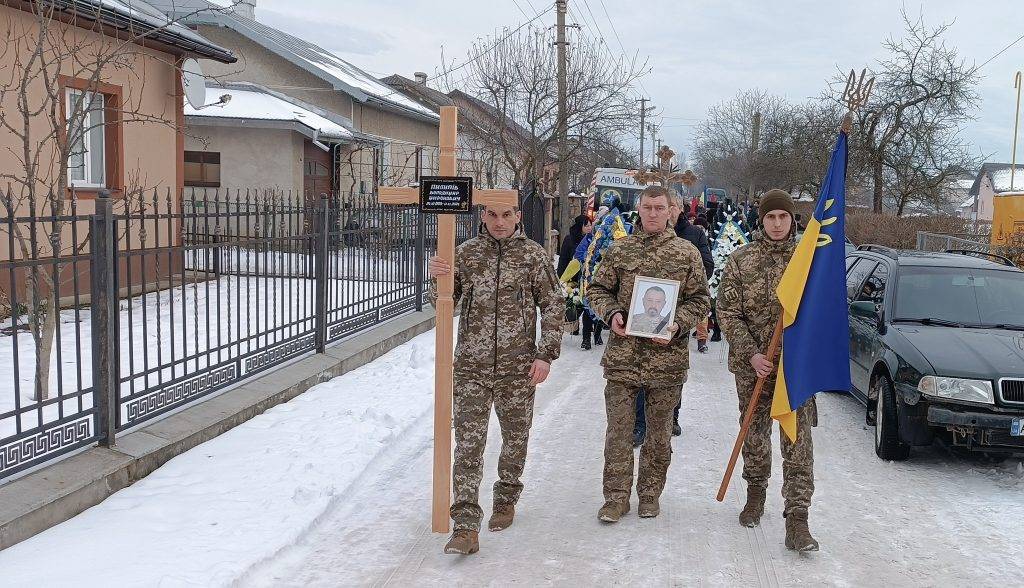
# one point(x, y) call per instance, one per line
point(147, 79)
point(148, 153)
point(251, 158)
point(258, 65)
point(986, 192)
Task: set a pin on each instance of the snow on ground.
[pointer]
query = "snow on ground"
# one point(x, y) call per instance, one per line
point(333, 489)
point(208, 515)
point(184, 328)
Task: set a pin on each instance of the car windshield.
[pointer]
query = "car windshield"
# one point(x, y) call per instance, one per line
point(968, 296)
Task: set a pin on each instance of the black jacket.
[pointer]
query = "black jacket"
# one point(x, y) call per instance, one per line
point(695, 235)
point(566, 252)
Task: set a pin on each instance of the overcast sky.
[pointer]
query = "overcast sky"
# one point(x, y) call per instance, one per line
point(701, 51)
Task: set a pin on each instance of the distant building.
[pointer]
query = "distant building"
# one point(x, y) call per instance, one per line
point(390, 130)
point(227, 146)
point(992, 179)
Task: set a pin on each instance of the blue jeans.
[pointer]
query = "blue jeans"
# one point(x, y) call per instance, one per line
point(640, 426)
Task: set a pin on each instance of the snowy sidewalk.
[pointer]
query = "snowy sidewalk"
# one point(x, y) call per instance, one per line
point(332, 489)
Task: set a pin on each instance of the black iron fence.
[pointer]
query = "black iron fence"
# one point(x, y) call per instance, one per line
point(117, 311)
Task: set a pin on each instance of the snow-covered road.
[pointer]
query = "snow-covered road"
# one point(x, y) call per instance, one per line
point(333, 490)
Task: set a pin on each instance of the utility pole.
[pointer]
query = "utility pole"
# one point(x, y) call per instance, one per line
point(654, 143)
point(563, 130)
point(643, 113)
point(755, 137)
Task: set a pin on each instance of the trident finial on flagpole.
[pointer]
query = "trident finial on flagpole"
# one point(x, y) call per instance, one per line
point(856, 95)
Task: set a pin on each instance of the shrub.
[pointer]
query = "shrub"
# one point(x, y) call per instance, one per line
point(898, 232)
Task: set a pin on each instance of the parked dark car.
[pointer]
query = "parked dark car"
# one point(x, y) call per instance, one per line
point(937, 349)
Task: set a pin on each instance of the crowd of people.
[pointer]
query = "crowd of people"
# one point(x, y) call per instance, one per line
point(503, 282)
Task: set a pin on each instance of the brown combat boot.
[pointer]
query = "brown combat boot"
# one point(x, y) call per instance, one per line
point(464, 542)
point(612, 511)
point(502, 517)
point(649, 508)
point(751, 514)
point(798, 536)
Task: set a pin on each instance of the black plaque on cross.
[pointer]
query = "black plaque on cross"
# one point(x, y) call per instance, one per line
point(446, 195)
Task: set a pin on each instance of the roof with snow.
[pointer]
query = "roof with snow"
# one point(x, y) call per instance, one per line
point(147, 23)
point(1001, 180)
point(990, 170)
point(424, 94)
point(340, 74)
point(252, 103)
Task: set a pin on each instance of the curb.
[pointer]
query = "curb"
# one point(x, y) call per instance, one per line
point(56, 493)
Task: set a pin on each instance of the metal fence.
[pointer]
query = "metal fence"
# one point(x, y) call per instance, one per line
point(1012, 249)
point(117, 311)
point(939, 242)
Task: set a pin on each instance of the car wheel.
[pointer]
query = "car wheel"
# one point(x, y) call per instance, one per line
point(888, 444)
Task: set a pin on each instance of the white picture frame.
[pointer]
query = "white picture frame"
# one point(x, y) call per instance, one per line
point(651, 316)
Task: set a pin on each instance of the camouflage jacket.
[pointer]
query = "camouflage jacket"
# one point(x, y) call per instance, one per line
point(500, 284)
point(747, 305)
point(638, 360)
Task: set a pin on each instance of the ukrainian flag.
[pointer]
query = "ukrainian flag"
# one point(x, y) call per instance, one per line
point(816, 320)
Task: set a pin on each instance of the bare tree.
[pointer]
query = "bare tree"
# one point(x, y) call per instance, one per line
point(514, 73)
point(793, 150)
point(923, 92)
point(49, 131)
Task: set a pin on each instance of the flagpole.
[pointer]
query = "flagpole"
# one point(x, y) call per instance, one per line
point(748, 416)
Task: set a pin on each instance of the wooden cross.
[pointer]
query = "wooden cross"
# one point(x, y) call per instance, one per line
point(445, 307)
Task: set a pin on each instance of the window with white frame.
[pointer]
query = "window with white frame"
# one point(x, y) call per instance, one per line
point(86, 138)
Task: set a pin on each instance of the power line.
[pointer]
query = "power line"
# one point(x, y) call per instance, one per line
point(443, 72)
point(1003, 50)
point(495, 44)
point(601, 41)
point(619, 39)
point(520, 9)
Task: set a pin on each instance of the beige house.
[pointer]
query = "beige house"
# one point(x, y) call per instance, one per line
point(132, 140)
point(227, 146)
point(393, 134)
point(118, 127)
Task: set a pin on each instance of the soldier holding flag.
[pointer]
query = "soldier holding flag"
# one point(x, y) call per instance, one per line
point(748, 310)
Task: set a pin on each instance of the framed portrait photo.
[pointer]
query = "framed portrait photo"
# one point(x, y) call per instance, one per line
point(652, 308)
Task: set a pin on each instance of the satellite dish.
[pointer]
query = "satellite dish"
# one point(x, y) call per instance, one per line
point(194, 83)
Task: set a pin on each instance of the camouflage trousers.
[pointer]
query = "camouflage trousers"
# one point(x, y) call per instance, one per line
point(797, 458)
point(656, 453)
point(512, 398)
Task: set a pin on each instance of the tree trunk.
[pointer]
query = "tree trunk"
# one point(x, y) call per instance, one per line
point(44, 347)
point(877, 178)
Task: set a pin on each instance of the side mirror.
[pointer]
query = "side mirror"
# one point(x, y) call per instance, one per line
point(864, 309)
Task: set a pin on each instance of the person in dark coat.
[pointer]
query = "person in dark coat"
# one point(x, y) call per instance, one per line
point(696, 235)
point(581, 225)
point(578, 232)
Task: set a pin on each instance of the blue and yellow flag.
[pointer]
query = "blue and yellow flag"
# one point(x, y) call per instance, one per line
point(816, 320)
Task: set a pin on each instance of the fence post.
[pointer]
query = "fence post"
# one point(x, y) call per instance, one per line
point(104, 320)
point(920, 240)
point(323, 232)
point(421, 237)
point(421, 257)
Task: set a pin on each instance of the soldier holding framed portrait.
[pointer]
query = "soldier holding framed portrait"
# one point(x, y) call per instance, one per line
point(651, 289)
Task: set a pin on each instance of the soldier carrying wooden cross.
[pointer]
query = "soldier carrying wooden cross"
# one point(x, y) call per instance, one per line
point(500, 278)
